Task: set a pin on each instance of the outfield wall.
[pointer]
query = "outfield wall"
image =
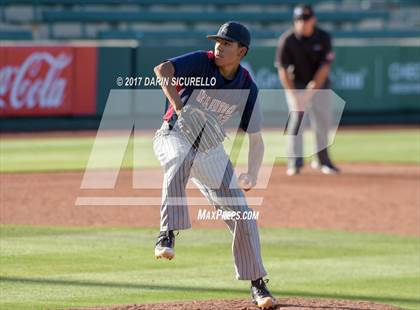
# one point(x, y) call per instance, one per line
point(66, 86)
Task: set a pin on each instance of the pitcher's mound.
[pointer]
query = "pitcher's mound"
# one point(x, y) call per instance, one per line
point(245, 304)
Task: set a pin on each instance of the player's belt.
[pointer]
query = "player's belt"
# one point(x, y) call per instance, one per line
point(166, 125)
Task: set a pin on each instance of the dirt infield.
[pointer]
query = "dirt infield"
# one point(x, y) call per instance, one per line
point(368, 198)
point(242, 304)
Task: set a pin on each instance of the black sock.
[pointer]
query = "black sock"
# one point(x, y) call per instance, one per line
point(255, 282)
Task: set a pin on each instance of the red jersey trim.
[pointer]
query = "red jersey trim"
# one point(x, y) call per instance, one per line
point(170, 112)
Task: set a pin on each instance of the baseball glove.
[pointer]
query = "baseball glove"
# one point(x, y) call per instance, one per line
point(201, 128)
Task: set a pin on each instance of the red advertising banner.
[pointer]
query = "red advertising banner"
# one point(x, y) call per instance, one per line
point(47, 81)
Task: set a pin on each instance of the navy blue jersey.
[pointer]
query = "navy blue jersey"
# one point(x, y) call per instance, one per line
point(201, 65)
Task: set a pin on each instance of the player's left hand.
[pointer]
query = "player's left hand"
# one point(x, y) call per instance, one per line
point(246, 181)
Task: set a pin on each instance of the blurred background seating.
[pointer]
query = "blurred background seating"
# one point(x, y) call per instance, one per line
point(153, 21)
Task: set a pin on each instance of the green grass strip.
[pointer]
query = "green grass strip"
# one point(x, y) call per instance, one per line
point(55, 267)
point(66, 154)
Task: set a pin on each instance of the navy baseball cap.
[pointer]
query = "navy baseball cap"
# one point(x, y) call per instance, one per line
point(303, 11)
point(233, 31)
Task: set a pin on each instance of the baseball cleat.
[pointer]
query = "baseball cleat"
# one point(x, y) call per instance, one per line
point(292, 171)
point(329, 169)
point(260, 294)
point(167, 253)
point(165, 245)
point(325, 169)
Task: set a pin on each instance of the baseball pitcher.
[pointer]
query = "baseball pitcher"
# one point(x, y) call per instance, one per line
point(189, 145)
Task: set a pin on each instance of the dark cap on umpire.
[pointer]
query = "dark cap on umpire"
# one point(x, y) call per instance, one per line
point(233, 31)
point(303, 12)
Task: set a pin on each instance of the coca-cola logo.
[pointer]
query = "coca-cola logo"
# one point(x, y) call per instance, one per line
point(26, 86)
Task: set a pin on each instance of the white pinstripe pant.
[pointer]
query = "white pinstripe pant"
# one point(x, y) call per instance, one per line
point(213, 174)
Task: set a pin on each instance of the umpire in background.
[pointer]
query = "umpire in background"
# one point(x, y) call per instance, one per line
point(303, 59)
